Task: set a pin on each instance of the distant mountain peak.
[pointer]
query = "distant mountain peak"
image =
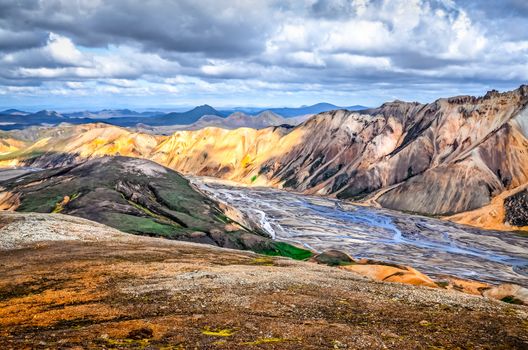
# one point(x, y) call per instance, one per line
point(13, 111)
point(46, 112)
point(268, 114)
point(320, 104)
point(204, 107)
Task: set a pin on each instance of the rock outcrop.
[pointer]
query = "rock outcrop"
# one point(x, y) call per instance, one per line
point(388, 273)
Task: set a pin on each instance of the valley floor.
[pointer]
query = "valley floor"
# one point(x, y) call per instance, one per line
point(433, 246)
point(99, 288)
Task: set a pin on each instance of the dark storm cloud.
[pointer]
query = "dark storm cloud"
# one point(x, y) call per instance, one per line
point(208, 27)
point(497, 9)
point(14, 41)
point(506, 17)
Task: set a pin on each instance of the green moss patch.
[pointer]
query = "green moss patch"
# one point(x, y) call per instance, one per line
point(510, 299)
point(287, 250)
point(41, 202)
point(140, 225)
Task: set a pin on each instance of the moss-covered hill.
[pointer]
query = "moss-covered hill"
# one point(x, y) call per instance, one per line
point(136, 196)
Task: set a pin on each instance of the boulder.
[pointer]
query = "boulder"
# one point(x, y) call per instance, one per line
point(333, 258)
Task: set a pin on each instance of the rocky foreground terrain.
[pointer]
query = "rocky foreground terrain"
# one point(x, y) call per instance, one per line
point(102, 288)
point(462, 157)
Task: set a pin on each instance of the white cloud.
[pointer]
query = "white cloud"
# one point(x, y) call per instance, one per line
point(60, 58)
point(61, 50)
point(306, 58)
point(58, 51)
point(356, 35)
point(357, 61)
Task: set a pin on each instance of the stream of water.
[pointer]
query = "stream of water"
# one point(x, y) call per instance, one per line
point(430, 245)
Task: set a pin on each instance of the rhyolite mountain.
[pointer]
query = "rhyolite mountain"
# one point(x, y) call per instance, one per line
point(453, 157)
point(238, 120)
point(140, 197)
point(233, 121)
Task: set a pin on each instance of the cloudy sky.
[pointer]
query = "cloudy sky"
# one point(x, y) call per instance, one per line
point(76, 54)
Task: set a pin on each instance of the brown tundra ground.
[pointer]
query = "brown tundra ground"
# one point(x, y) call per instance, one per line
point(102, 289)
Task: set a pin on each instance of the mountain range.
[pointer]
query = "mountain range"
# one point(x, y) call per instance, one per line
point(233, 121)
point(110, 113)
point(289, 112)
point(12, 119)
point(117, 246)
point(453, 158)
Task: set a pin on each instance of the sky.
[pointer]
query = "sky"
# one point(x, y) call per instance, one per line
point(92, 54)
